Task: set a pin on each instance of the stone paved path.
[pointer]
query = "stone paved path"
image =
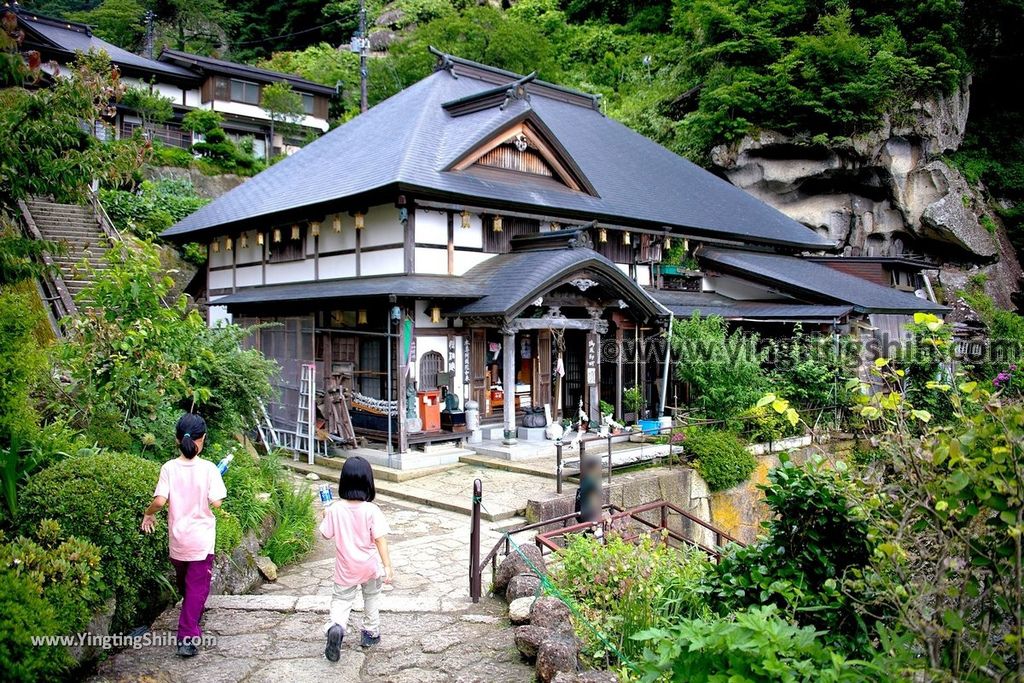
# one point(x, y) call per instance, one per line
point(431, 631)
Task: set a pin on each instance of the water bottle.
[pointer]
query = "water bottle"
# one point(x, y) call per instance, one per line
point(326, 497)
point(222, 466)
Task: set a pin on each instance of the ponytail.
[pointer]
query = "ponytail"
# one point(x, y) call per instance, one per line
point(191, 428)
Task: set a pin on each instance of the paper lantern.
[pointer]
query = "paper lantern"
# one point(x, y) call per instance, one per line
point(465, 219)
point(360, 220)
point(314, 228)
point(496, 224)
point(277, 235)
point(336, 223)
point(625, 237)
point(361, 316)
point(435, 314)
point(602, 235)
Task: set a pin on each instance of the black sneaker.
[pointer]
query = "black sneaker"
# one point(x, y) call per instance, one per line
point(368, 639)
point(335, 635)
point(187, 650)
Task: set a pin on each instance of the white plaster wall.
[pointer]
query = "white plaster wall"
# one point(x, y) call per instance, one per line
point(431, 227)
point(386, 261)
point(382, 227)
point(194, 98)
point(473, 236)
point(253, 253)
point(292, 271)
point(166, 89)
point(250, 276)
point(643, 275)
point(220, 279)
point(464, 260)
point(217, 314)
point(257, 112)
point(426, 343)
point(342, 265)
point(431, 261)
point(336, 241)
point(222, 257)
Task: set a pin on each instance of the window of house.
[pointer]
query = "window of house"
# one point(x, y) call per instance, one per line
point(287, 249)
point(431, 363)
point(369, 376)
point(308, 103)
point(244, 91)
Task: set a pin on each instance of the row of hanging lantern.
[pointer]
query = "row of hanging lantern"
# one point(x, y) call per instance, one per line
point(276, 235)
point(497, 225)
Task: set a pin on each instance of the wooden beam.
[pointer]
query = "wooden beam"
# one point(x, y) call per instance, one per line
point(509, 386)
point(589, 324)
point(409, 247)
point(451, 243)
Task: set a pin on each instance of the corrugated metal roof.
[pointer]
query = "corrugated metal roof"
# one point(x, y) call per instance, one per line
point(814, 281)
point(440, 286)
point(407, 141)
point(241, 70)
point(685, 304)
point(69, 37)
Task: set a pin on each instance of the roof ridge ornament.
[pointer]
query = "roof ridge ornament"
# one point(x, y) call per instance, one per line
point(444, 61)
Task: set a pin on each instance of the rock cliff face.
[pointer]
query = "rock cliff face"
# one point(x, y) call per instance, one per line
point(886, 193)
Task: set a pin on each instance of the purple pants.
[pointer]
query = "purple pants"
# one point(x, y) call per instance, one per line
point(194, 585)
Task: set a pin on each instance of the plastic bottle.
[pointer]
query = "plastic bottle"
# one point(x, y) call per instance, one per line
point(222, 466)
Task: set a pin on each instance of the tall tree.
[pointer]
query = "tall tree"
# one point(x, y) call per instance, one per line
point(121, 22)
point(284, 106)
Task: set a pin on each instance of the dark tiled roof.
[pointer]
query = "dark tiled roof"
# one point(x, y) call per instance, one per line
point(241, 70)
point(439, 286)
point(813, 281)
point(69, 37)
point(509, 282)
point(685, 304)
point(407, 141)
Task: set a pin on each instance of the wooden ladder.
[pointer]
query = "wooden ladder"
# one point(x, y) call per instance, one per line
point(337, 406)
point(305, 420)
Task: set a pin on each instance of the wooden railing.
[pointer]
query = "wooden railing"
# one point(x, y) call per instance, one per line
point(55, 292)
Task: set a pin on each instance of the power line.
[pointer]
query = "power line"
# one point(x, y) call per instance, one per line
point(286, 35)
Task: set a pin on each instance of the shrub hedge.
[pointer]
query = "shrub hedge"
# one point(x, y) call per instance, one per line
point(720, 457)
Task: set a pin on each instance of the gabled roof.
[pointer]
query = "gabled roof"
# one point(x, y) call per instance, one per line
point(814, 282)
point(68, 37)
point(211, 65)
point(407, 142)
point(508, 283)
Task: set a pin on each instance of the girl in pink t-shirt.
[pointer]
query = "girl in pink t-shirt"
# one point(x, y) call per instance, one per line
point(361, 559)
point(190, 487)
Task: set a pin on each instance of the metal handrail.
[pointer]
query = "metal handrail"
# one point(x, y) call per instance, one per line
point(106, 225)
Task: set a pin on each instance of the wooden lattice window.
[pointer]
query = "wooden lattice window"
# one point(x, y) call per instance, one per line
point(431, 363)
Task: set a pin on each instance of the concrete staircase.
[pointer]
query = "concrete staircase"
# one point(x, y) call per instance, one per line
point(78, 230)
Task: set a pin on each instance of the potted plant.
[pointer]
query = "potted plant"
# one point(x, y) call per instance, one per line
point(632, 404)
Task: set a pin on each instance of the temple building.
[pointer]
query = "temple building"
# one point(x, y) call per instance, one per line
point(490, 236)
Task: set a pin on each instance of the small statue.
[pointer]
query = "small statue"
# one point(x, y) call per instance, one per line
point(411, 409)
point(451, 403)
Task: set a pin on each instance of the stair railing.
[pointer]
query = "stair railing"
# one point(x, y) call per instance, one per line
point(102, 219)
point(55, 292)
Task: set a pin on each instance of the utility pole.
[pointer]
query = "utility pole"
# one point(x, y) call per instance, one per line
point(149, 33)
point(364, 46)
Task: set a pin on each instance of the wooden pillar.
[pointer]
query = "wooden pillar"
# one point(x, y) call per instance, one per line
point(401, 372)
point(451, 246)
point(509, 386)
point(593, 370)
point(409, 245)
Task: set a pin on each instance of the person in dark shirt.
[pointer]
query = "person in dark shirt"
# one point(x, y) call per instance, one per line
point(590, 494)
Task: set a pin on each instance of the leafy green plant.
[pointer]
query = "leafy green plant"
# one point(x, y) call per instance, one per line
point(756, 644)
point(606, 408)
point(724, 369)
point(99, 498)
point(623, 588)
point(65, 570)
point(818, 537)
point(229, 531)
point(24, 613)
point(633, 400)
point(720, 457)
point(153, 207)
point(293, 536)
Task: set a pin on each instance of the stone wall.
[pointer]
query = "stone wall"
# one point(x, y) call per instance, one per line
point(208, 186)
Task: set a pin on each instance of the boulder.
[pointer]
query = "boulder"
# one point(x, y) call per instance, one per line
point(529, 638)
point(516, 563)
point(525, 585)
point(587, 677)
point(551, 613)
point(266, 567)
point(519, 610)
point(313, 476)
point(558, 654)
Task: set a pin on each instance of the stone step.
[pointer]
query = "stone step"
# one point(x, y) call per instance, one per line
point(70, 231)
point(537, 468)
point(385, 473)
point(461, 505)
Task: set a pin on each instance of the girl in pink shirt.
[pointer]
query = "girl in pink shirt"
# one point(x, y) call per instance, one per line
point(361, 560)
point(190, 486)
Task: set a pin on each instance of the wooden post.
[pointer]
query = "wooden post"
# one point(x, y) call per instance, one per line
point(474, 543)
point(618, 373)
point(402, 368)
point(509, 386)
point(593, 377)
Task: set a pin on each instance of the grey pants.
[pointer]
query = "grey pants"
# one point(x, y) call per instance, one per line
point(343, 598)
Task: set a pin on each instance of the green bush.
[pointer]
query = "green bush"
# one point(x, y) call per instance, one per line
point(65, 570)
point(817, 537)
point(24, 614)
point(99, 497)
point(153, 208)
point(623, 588)
point(762, 424)
point(719, 457)
point(749, 645)
point(250, 487)
point(168, 155)
point(294, 532)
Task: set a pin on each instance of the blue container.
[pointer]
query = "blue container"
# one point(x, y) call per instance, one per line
point(649, 426)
